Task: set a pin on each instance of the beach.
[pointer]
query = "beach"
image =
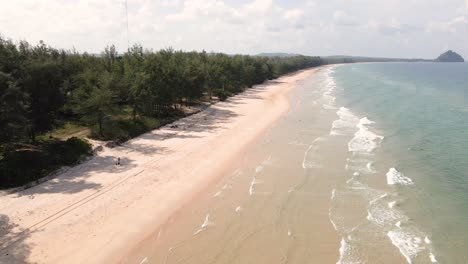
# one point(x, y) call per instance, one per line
point(97, 212)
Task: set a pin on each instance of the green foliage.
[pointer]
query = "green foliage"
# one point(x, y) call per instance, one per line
point(73, 150)
point(96, 102)
point(30, 163)
point(13, 169)
point(117, 96)
point(67, 129)
point(124, 129)
point(221, 94)
point(12, 110)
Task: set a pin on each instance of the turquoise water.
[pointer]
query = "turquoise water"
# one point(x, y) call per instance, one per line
point(421, 109)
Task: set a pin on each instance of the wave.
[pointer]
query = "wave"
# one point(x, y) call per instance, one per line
point(370, 168)
point(427, 240)
point(267, 161)
point(333, 194)
point(345, 124)
point(409, 244)
point(364, 140)
point(221, 192)
point(252, 186)
point(329, 87)
point(360, 164)
point(306, 161)
point(410, 241)
point(297, 143)
point(259, 168)
point(328, 107)
point(396, 177)
point(346, 252)
point(381, 213)
point(204, 225)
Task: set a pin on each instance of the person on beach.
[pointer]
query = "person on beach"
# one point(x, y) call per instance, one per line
point(118, 161)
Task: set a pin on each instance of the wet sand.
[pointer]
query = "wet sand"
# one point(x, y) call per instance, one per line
point(272, 206)
point(97, 212)
point(295, 196)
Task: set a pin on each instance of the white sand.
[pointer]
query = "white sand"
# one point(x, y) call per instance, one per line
point(97, 211)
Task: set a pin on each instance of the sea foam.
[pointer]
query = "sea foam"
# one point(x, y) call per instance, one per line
point(364, 140)
point(205, 224)
point(396, 177)
point(311, 159)
point(252, 186)
point(345, 124)
point(383, 216)
point(408, 244)
point(347, 255)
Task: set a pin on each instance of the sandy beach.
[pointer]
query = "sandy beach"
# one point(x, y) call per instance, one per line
point(97, 212)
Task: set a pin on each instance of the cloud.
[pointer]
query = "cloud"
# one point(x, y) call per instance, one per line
point(194, 9)
point(341, 18)
point(259, 6)
point(293, 14)
point(311, 3)
point(455, 25)
point(63, 21)
point(391, 27)
point(248, 26)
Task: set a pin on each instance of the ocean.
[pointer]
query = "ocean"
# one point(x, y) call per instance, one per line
point(421, 110)
point(368, 166)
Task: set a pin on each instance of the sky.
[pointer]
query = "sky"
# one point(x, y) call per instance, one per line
point(379, 28)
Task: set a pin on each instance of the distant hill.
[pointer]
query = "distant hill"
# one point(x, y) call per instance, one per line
point(450, 56)
point(278, 54)
point(351, 59)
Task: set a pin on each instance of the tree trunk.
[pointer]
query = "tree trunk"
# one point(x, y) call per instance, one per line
point(32, 135)
point(134, 112)
point(100, 127)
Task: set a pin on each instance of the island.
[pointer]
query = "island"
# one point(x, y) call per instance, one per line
point(450, 56)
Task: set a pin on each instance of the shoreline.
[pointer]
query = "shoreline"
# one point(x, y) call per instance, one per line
point(94, 210)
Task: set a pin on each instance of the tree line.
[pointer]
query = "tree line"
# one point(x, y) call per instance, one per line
point(43, 89)
point(41, 85)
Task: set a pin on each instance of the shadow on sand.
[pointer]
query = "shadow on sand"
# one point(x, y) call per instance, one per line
point(73, 180)
point(13, 248)
point(14, 253)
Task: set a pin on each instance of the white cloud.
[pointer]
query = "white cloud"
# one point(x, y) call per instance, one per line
point(456, 25)
point(293, 14)
point(311, 3)
point(259, 6)
point(391, 27)
point(193, 9)
point(64, 21)
point(341, 18)
point(249, 26)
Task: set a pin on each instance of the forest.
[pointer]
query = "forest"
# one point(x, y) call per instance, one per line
point(50, 99)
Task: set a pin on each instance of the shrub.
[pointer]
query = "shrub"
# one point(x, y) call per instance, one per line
point(222, 94)
point(18, 167)
point(68, 152)
point(124, 129)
